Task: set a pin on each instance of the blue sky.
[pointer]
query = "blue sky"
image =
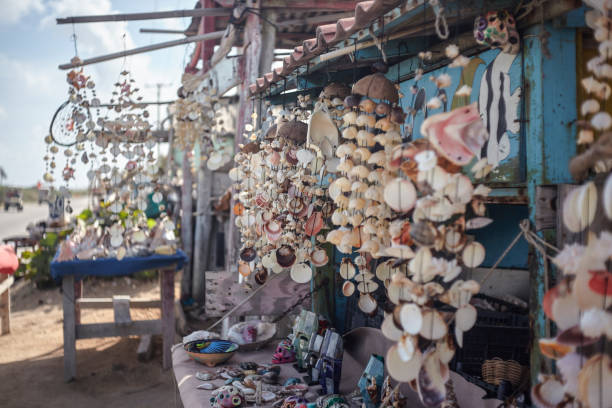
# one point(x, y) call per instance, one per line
point(32, 87)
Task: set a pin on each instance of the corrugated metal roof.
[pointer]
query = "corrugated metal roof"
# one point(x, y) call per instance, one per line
point(327, 36)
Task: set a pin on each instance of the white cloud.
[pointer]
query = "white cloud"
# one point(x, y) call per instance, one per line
point(14, 10)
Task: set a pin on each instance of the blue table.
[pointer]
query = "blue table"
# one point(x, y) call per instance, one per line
point(71, 273)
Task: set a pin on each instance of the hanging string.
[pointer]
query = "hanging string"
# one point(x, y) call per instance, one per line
point(74, 41)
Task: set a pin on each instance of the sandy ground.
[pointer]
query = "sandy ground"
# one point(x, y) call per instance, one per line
point(108, 372)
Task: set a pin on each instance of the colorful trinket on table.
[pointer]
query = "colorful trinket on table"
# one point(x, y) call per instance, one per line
point(311, 358)
point(227, 397)
point(306, 326)
point(285, 353)
point(371, 382)
point(329, 365)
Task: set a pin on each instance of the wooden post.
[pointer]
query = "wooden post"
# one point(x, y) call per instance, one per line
point(268, 39)
point(550, 142)
point(186, 227)
point(166, 283)
point(248, 72)
point(78, 293)
point(5, 302)
point(203, 226)
point(69, 328)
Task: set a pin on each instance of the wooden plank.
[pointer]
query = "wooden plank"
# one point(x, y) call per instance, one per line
point(78, 293)
point(550, 142)
point(5, 282)
point(181, 320)
point(145, 348)
point(248, 73)
point(186, 224)
point(107, 303)
point(121, 308)
point(69, 328)
point(5, 302)
point(546, 202)
point(202, 233)
point(121, 54)
point(166, 282)
point(199, 12)
point(137, 327)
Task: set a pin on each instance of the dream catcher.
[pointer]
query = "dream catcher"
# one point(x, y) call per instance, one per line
point(72, 124)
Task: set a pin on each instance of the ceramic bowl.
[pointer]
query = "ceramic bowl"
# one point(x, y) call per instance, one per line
point(210, 352)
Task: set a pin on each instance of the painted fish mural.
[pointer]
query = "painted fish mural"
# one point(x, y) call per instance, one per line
point(495, 78)
point(498, 108)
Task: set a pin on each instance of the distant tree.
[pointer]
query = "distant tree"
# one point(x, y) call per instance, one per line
point(2, 175)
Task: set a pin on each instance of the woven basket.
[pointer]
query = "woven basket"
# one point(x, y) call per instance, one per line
point(496, 370)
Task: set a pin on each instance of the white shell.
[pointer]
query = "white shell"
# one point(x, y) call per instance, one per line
point(322, 131)
point(411, 318)
point(347, 270)
point(301, 273)
point(473, 254)
point(367, 287)
point(601, 121)
point(367, 304)
point(589, 106)
point(465, 317)
point(389, 329)
point(400, 370)
point(434, 327)
point(400, 195)
point(348, 288)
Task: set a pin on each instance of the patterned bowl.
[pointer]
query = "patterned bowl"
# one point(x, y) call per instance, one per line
point(210, 352)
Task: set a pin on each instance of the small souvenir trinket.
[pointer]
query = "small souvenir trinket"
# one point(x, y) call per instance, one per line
point(370, 383)
point(330, 362)
point(285, 353)
point(306, 326)
point(497, 29)
point(310, 360)
point(227, 397)
point(294, 402)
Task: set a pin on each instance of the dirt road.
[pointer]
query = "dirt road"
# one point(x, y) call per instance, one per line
point(108, 372)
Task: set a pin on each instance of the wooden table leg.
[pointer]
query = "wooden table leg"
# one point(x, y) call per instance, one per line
point(166, 282)
point(69, 327)
point(78, 293)
point(5, 303)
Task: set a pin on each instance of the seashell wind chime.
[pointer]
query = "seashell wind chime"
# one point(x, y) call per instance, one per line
point(579, 303)
point(122, 135)
point(280, 208)
point(406, 205)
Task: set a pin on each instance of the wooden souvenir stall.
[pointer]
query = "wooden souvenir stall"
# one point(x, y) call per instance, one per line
point(349, 155)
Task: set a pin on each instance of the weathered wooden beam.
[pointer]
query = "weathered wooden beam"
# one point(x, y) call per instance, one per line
point(5, 302)
point(166, 283)
point(549, 144)
point(160, 31)
point(137, 327)
point(7, 281)
point(107, 303)
point(121, 309)
point(202, 232)
point(69, 328)
point(186, 223)
point(315, 19)
point(156, 15)
point(196, 38)
point(546, 210)
point(144, 351)
point(248, 73)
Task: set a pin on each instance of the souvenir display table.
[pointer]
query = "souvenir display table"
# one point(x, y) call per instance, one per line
point(359, 345)
point(71, 273)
